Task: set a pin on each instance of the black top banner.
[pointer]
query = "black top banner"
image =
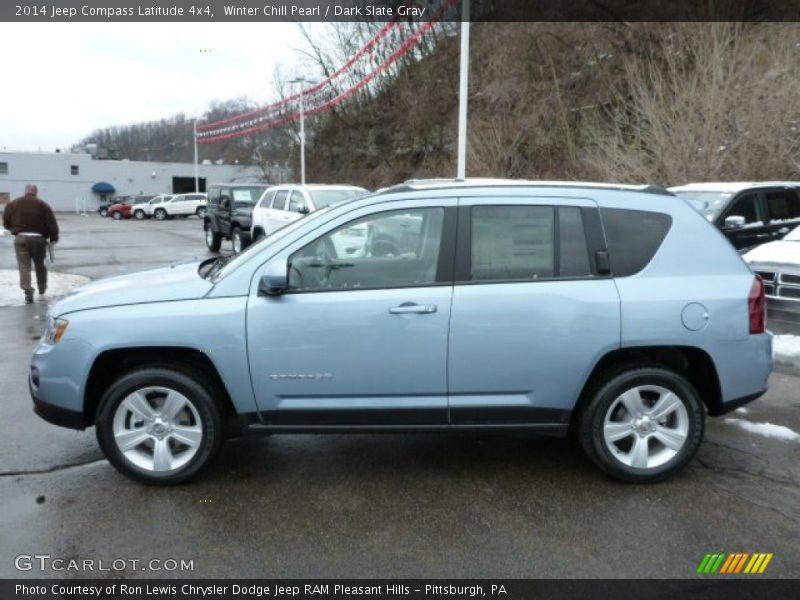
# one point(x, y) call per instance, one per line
point(387, 10)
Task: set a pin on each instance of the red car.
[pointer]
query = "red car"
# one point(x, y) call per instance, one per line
point(124, 209)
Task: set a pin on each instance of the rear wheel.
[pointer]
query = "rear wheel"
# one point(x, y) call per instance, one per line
point(160, 214)
point(642, 425)
point(103, 212)
point(138, 214)
point(238, 239)
point(213, 239)
point(160, 426)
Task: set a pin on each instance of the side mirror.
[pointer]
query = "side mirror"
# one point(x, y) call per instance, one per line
point(275, 279)
point(303, 210)
point(734, 222)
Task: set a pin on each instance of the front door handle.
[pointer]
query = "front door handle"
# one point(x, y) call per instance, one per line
point(409, 307)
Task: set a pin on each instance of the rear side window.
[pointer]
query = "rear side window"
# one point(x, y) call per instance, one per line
point(573, 255)
point(512, 242)
point(633, 237)
point(279, 201)
point(783, 205)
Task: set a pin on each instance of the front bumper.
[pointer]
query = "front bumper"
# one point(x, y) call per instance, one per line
point(56, 415)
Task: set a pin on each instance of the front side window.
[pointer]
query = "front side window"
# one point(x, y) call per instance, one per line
point(745, 206)
point(512, 243)
point(297, 202)
point(386, 250)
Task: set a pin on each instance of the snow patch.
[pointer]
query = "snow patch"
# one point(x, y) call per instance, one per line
point(768, 430)
point(786, 346)
point(742, 410)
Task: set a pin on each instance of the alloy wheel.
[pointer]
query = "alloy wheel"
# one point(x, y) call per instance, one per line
point(646, 426)
point(157, 429)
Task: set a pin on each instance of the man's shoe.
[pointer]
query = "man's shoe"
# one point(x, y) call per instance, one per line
point(29, 297)
point(41, 292)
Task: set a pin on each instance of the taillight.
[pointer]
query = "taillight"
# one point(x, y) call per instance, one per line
point(757, 305)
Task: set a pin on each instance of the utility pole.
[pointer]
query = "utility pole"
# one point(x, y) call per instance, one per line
point(196, 177)
point(463, 92)
point(301, 81)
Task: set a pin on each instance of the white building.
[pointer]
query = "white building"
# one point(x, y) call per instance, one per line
point(66, 180)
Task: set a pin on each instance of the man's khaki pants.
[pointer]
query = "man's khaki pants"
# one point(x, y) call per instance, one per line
point(31, 248)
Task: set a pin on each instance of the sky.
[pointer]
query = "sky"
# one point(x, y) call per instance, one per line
point(64, 80)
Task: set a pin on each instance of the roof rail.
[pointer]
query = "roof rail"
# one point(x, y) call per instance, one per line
point(411, 185)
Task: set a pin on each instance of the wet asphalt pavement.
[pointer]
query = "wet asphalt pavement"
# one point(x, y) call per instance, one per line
point(376, 505)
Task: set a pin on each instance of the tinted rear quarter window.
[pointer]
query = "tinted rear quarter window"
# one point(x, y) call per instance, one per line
point(633, 237)
point(783, 205)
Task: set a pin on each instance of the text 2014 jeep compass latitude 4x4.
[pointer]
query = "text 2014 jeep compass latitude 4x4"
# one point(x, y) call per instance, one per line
point(619, 312)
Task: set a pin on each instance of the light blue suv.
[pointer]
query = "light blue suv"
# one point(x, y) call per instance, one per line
point(616, 312)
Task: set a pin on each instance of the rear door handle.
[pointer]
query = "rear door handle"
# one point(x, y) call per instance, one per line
point(409, 307)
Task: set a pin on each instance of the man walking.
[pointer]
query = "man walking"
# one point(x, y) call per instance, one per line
point(32, 222)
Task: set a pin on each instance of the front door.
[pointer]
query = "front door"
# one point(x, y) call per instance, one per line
point(357, 340)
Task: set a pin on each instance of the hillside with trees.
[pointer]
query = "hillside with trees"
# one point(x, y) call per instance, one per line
point(662, 103)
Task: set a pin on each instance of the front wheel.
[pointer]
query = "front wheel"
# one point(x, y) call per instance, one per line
point(159, 426)
point(160, 214)
point(213, 239)
point(103, 212)
point(642, 425)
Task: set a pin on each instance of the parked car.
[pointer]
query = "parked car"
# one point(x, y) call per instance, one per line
point(282, 204)
point(612, 311)
point(126, 209)
point(748, 214)
point(778, 263)
point(180, 205)
point(145, 210)
point(229, 214)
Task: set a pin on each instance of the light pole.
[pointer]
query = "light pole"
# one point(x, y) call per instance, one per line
point(196, 176)
point(463, 93)
point(301, 81)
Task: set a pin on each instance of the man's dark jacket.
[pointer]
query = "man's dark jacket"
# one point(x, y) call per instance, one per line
point(29, 214)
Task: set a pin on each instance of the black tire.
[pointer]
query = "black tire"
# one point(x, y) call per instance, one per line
point(239, 239)
point(103, 212)
point(201, 211)
point(117, 215)
point(199, 392)
point(139, 215)
point(592, 420)
point(213, 238)
point(259, 235)
point(160, 214)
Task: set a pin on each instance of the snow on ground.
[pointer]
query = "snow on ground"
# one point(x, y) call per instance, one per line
point(768, 430)
point(742, 410)
point(58, 284)
point(786, 346)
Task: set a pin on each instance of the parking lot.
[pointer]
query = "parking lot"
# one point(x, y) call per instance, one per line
point(368, 505)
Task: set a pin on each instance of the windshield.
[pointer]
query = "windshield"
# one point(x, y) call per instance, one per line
point(227, 264)
point(248, 195)
point(709, 204)
point(322, 198)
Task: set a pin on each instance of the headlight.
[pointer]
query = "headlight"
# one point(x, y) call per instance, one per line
point(54, 330)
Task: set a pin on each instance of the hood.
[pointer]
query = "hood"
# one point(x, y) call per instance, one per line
point(781, 252)
point(177, 282)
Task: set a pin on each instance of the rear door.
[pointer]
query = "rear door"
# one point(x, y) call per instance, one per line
point(531, 313)
point(274, 218)
point(783, 211)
